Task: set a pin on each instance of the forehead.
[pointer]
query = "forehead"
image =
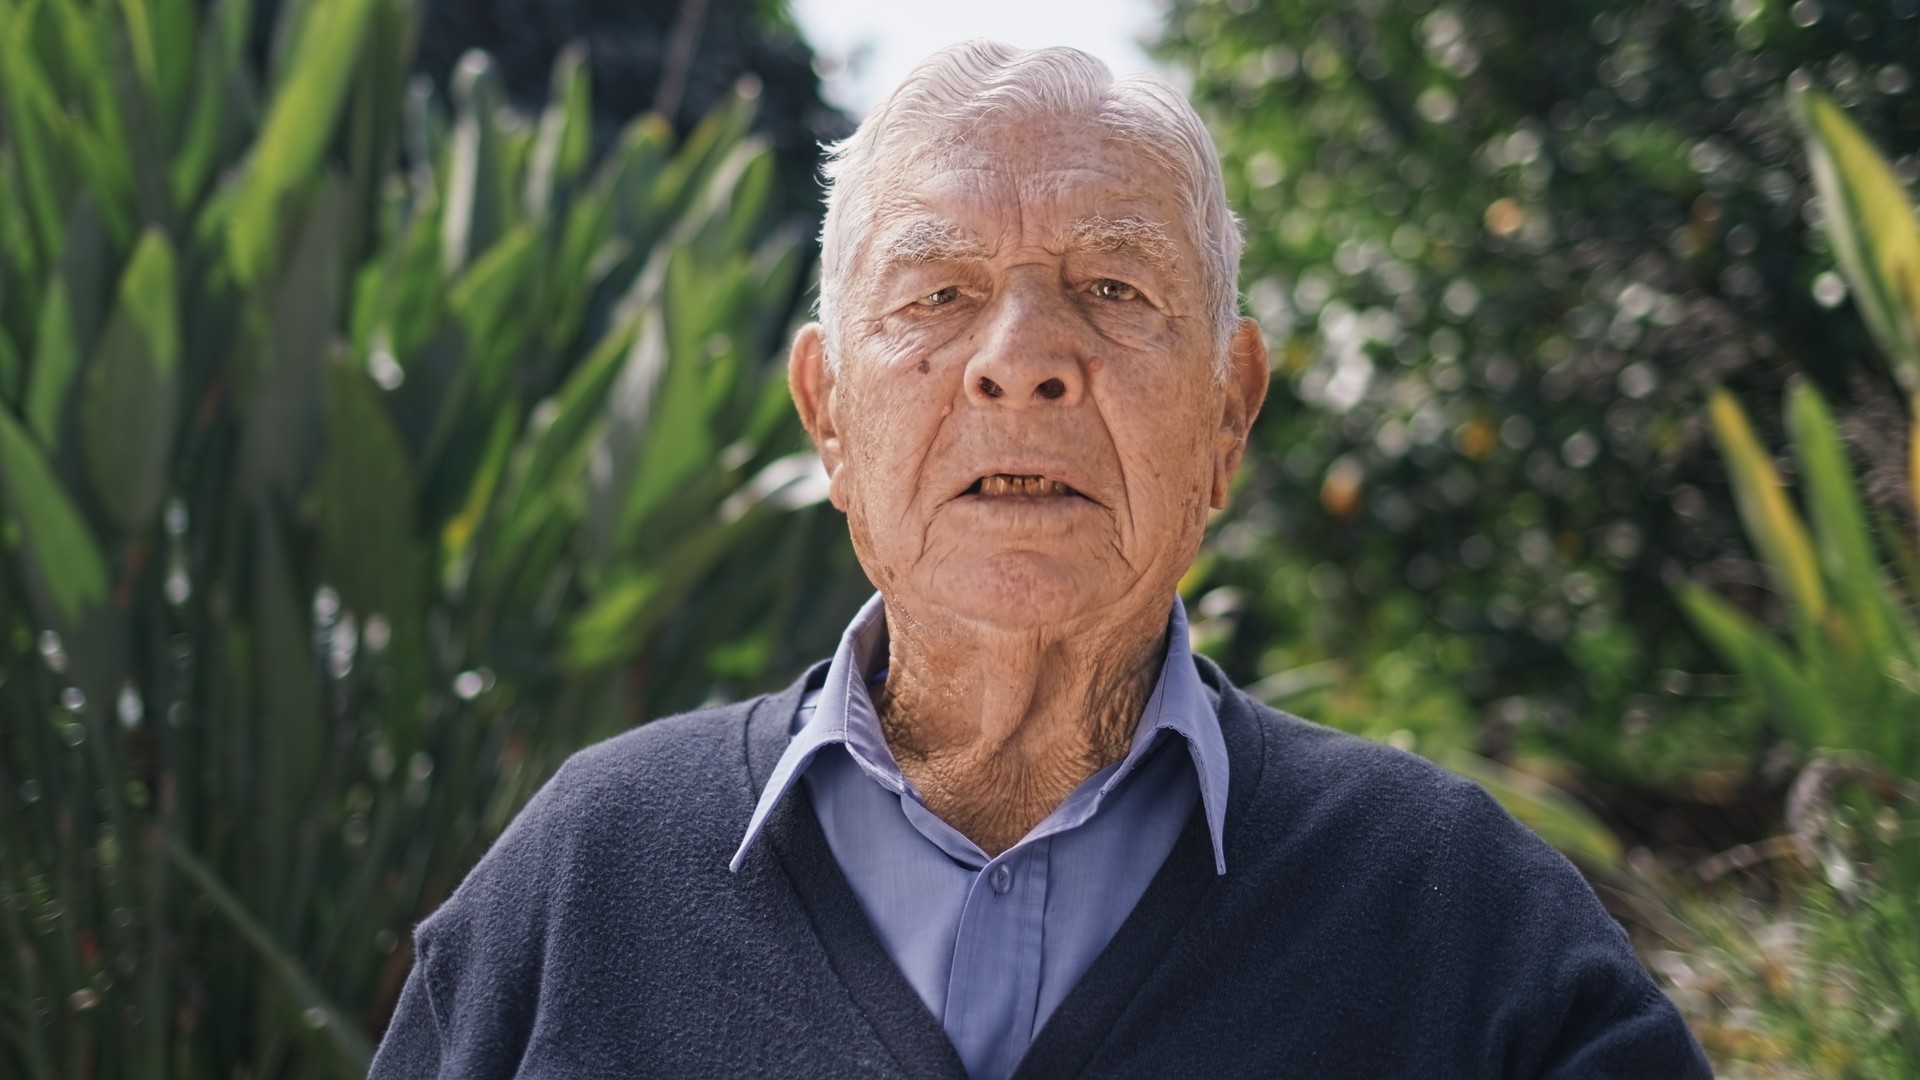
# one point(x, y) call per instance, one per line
point(1030, 182)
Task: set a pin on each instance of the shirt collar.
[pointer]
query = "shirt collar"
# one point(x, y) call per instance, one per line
point(845, 715)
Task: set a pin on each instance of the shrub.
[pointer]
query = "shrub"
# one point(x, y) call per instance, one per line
point(1502, 250)
point(1844, 686)
point(359, 457)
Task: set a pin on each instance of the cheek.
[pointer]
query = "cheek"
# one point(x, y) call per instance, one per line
point(896, 417)
point(1136, 328)
point(1162, 430)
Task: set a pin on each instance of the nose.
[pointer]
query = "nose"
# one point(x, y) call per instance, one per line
point(1028, 351)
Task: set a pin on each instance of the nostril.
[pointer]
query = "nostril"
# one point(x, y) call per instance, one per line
point(1051, 389)
point(990, 388)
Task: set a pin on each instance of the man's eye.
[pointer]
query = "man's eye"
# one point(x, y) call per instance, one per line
point(944, 296)
point(1109, 289)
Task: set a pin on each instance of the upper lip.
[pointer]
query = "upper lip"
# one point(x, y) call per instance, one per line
point(1057, 473)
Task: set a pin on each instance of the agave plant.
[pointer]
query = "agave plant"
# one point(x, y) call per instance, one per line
point(359, 457)
point(1845, 684)
point(1848, 680)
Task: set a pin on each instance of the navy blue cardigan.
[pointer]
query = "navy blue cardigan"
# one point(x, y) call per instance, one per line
point(1379, 918)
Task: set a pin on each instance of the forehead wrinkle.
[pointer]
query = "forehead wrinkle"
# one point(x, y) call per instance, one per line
point(1149, 241)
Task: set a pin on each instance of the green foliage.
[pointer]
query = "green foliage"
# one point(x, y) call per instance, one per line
point(132, 389)
point(1501, 250)
point(1394, 696)
point(359, 458)
point(1846, 684)
point(1848, 681)
point(56, 549)
point(1872, 228)
point(1776, 989)
point(658, 56)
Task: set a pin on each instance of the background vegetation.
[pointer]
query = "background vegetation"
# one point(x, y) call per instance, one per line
point(368, 442)
point(1509, 247)
point(363, 453)
point(1510, 250)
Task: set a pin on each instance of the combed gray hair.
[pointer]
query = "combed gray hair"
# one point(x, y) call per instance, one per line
point(967, 83)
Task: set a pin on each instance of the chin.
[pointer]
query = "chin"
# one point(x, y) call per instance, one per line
point(1024, 590)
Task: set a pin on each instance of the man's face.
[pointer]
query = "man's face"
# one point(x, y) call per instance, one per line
point(1023, 428)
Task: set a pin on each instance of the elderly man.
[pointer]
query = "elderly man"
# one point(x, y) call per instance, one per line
point(1015, 828)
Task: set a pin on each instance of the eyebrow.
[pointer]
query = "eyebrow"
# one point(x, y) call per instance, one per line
point(1148, 241)
point(927, 241)
point(930, 241)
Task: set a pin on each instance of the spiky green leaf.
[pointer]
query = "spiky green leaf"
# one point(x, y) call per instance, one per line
point(56, 361)
point(299, 123)
point(1750, 650)
point(1772, 522)
point(1871, 223)
point(341, 1029)
point(133, 381)
point(475, 209)
point(1838, 514)
point(365, 488)
point(63, 560)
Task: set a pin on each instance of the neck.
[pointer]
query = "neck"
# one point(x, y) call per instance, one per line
point(996, 728)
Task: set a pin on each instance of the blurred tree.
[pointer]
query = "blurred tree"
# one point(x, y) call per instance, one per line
point(1502, 250)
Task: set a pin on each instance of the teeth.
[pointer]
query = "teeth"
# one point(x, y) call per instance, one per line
point(1002, 484)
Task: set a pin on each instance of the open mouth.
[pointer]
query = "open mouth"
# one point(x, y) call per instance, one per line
point(1001, 485)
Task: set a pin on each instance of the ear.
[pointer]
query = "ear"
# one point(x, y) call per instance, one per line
point(812, 385)
point(1246, 388)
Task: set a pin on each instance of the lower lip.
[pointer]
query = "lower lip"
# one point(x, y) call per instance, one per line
point(1031, 507)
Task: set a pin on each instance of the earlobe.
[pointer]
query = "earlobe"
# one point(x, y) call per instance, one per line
point(811, 383)
point(1246, 389)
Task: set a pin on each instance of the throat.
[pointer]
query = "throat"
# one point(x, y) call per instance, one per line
point(995, 791)
point(996, 729)
point(995, 804)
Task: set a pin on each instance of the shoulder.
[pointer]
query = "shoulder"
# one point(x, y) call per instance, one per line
point(1307, 768)
point(1373, 813)
point(1433, 894)
point(653, 798)
point(674, 776)
point(672, 758)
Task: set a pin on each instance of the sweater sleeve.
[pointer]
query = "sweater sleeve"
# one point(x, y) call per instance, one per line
point(1637, 1033)
point(1569, 999)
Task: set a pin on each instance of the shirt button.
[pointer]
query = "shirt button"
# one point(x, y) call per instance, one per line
point(1001, 878)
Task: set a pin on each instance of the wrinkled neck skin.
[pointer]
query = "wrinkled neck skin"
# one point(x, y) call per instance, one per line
point(995, 727)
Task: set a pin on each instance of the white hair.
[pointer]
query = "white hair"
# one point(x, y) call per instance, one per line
point(967, 83)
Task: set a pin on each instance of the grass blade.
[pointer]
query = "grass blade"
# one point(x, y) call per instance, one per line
point(1872, 227)
point(299, 123)
point(1770, 518)
point(128, 412)
point(345, 1035)
point(69, 574)
point(1750, 650)
point(1834, 507)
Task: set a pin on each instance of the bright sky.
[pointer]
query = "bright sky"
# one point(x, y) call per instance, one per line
point(867, 46)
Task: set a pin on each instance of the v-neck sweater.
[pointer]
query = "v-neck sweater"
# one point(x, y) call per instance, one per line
point(1379, 918)
point(992, 944)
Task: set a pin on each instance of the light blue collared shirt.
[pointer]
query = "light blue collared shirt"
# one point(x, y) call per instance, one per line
point(992, 945)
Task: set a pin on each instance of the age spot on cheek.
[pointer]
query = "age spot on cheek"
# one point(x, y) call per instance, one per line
point(1094, 363)
point(923, 367)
